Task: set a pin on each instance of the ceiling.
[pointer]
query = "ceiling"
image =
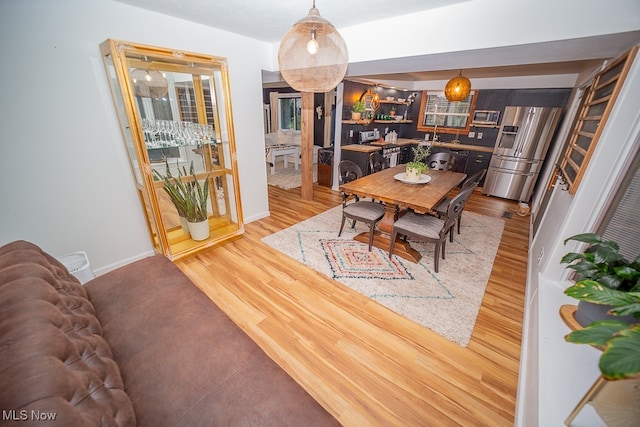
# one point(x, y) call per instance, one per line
point(269, 20)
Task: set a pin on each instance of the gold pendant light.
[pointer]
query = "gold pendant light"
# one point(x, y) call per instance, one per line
point(458, 88)
point(313, 55)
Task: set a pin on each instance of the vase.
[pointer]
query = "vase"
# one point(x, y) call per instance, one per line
point(589, 312)
point(412, 174)
point(199, 230)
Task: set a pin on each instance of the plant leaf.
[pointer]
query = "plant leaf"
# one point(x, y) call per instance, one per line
point(621, 358)
point(597, 333)
point(592, 291)
point(585, 238)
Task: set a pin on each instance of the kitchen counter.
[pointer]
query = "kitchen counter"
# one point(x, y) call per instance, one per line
point(362, 148)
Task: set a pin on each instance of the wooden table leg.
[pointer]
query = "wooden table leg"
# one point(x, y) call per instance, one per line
point(382, 236)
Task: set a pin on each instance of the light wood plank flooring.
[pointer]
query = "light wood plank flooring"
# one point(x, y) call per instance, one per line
point(363, 363)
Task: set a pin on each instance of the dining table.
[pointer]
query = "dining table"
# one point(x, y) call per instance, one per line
point(390, 187)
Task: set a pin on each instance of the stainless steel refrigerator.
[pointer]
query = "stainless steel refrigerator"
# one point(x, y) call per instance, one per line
point(523, 140)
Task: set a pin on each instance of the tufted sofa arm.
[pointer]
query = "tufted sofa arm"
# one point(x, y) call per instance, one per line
point(55, 364)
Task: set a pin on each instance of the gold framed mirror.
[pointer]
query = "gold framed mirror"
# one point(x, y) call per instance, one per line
point(175, 114)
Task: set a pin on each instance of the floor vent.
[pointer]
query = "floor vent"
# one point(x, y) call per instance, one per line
point(507, 214)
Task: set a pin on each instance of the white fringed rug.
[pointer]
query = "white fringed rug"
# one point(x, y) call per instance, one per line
point(446, 302)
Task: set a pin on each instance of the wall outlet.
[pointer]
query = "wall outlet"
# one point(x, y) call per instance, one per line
point(479, 135)
point(472, 134)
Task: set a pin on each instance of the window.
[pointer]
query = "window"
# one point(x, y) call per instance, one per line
point(290, 109)
point(449, 117)
point(596, 104)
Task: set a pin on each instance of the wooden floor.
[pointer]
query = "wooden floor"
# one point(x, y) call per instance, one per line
point(363, 363)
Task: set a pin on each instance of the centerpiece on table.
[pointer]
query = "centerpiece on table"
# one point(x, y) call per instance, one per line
point(415, 167)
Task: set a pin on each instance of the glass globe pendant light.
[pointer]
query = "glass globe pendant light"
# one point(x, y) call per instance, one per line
point(313, 55)
point(458, 88)
point(149, 83)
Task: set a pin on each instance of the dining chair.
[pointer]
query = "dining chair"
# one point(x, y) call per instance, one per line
point(441, 208)
point(442, 161)
point(425, 227)
point(368, 212)
point(377, 162)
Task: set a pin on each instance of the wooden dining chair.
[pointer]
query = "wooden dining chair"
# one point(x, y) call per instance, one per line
point(425, 227)
point(441, 208)
point(368, 212)
point(442, 161)
point(377, 162)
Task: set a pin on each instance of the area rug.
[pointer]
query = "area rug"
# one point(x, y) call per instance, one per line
point(446, 302)
point(287, 177)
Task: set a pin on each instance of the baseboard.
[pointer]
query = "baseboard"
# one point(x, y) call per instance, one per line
point(107, 268)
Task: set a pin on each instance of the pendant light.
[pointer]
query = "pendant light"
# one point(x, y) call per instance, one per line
point(149, 83)
point(458, 88)
point(313, 55)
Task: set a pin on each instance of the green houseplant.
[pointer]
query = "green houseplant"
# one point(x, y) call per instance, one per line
point(415, 167)
point(608, 281)
point(190, 199)
point(356, 110)
point(619, 340)
point(602, 262)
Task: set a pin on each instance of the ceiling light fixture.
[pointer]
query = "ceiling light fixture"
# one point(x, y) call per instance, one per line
point(149, 83)
point(312, 44)
point(458, 88)
point(313, 55)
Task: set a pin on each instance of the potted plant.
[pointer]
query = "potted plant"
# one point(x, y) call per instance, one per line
point(619, 340)
point(357, 110)
point(174, 189)
point(603, 263)
point(190, 199)
point(415, 167)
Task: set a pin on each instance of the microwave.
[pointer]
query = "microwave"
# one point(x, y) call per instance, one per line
point(486, 117)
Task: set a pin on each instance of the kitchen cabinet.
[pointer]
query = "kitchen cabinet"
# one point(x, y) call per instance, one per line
point(477, 161)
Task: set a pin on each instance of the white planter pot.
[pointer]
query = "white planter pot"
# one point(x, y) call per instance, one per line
point(412, 174)
point(199, 230)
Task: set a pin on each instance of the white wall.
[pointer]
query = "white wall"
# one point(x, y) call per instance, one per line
point(554, 374)
point(67, 183)
point(480, 24)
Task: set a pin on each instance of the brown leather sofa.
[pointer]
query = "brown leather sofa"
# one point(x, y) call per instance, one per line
point(140, 345)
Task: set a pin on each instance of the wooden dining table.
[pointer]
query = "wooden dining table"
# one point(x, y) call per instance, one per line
point(398, 196)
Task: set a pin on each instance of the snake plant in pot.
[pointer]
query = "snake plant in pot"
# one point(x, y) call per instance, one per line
point(190, 199)
point(606, 279)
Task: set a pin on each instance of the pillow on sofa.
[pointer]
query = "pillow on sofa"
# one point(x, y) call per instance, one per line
point(55, 362)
